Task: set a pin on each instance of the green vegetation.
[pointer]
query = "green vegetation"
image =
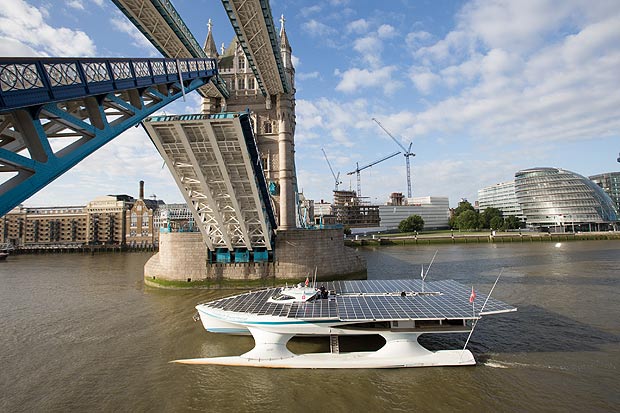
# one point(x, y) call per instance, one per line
point(467, 218)
point(411, 223)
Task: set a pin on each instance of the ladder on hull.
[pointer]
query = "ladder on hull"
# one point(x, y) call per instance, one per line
point(334, 346)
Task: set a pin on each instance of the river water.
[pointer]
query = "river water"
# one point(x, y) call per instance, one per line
point(82, 333)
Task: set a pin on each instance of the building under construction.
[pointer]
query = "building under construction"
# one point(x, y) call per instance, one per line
point(354, 211)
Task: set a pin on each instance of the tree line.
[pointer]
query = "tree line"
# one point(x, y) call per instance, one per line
point(465, 217)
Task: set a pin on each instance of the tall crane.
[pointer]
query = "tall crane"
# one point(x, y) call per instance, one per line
point(406, 152)
point(336, 177)
point(358, 169)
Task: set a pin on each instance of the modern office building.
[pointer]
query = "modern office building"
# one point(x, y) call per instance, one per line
point(554, 198)
point(610, 182)
point(434, 210)
point(501, 196)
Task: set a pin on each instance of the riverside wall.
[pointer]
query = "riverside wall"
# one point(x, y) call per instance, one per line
point(182, 257)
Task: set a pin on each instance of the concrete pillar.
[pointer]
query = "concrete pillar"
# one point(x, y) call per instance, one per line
point(286, 160)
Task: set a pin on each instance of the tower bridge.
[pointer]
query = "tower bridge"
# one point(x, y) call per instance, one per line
point(234, 162)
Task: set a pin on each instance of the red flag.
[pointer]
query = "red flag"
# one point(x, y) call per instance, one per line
point(307, 281)
point(472, 296)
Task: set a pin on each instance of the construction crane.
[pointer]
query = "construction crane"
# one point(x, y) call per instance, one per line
point(358, 169)
point(406, 152)
point(336, 177)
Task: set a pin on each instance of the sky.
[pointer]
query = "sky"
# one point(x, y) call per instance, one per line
point(482, 89)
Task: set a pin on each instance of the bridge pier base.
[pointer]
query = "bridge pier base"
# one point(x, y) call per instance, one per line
point(183, 256)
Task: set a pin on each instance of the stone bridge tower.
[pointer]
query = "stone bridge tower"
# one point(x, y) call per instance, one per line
point(273, 118)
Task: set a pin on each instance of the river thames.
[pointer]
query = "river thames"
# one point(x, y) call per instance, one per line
point(82, 333)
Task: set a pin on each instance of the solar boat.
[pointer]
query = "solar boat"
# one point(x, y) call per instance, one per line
point(398, 310)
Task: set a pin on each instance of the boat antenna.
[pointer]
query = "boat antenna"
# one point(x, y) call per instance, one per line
point(315, 269)
point(424, 274)
point(479, 313)
point(429, 265)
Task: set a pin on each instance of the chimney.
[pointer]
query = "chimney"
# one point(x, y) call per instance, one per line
point(141, 189)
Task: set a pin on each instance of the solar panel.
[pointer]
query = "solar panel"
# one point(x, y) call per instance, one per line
point(375, 286)
point(372, 300)
point(314, 309)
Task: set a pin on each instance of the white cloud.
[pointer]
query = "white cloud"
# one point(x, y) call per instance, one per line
point(455, 45)
point(121, 23)
point(370, 48)
point(75, 4)
point(386, 31)
point(307, 11)
point(306, 76)
point(423, 79)
point(13, 47)
point(358, 26)
point(415, 39)
point(356, 79)
point(516, 79)
point(317, 29)
point(26, 25)
point(295, 60)
point(330, 120)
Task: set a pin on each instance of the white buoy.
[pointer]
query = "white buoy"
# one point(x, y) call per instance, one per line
point(558, 244)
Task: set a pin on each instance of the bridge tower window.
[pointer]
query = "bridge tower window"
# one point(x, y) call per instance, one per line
point(241, 62)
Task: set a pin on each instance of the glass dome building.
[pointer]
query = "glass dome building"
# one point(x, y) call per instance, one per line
point(551, 198)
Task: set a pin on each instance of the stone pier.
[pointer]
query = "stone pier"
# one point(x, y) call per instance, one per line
point(182, 256)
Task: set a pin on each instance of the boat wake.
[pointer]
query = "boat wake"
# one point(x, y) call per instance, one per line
point(496, 364)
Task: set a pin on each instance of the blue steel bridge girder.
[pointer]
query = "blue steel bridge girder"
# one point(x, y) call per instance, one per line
point(162, 25)
point(56, 112)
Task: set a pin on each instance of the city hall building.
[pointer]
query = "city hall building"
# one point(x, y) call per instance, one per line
point(553, 199)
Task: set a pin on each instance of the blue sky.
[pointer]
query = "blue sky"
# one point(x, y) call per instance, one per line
point(482, 88)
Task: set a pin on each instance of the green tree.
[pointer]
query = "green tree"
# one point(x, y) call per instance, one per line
point(452, 222)
point(463, 206)
point(497, 223)
point(513, 222)
point(467, 220)
point(346, 230)
point(487, 216)
point(412, 223)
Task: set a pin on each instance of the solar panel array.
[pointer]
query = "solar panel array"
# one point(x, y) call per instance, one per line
point(372, 300)
point(375, 286)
